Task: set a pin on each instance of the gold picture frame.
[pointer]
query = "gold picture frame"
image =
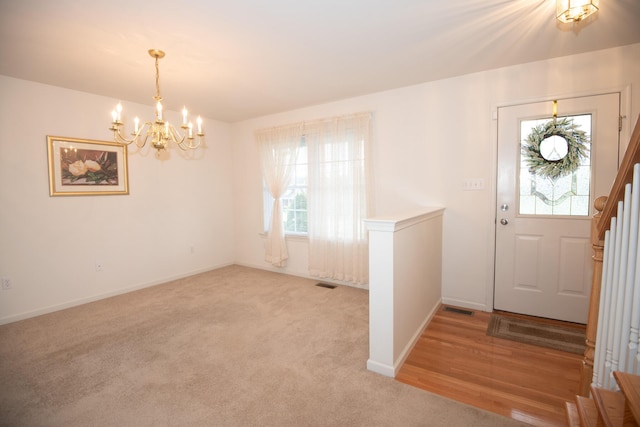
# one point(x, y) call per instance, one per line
point(86, 167)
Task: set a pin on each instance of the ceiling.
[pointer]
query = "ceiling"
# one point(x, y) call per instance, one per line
point(232, 60)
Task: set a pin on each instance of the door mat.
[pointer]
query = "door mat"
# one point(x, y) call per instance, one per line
point(537, 333)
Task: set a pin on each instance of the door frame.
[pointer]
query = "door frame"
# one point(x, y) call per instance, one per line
point(625, 108)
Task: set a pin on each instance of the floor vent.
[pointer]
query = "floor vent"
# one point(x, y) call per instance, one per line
point(459, 311)
point(326, 285)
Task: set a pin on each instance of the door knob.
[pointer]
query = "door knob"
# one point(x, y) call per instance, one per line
point(504, 221)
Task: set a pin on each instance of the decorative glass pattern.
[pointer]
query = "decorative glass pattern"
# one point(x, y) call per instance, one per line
point(565, 196)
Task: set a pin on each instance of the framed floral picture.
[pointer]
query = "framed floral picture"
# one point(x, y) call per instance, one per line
point(84, 167)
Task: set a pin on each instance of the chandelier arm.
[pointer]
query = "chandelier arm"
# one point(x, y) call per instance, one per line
point(117, 134)
point(190, 143)
point(184, 141)
point(148, 126)
point(146, 137)
point(120, 138)
point(175, 135)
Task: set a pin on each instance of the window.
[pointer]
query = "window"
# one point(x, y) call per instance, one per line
point(315, 177)
point(566, 196)
point(294, 200)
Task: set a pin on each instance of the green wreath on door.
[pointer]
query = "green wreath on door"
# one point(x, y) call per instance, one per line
point(577, 149)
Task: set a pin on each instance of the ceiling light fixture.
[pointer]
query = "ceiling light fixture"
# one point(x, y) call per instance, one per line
point(568, 11)
point(159, 130)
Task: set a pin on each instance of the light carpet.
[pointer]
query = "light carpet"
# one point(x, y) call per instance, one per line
point(231, 347)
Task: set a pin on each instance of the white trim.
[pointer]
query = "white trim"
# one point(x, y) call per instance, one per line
point(627, 122)
point(304, 276)
point(561, 96)
point(412, 342)
point(301, 237)
point(392, 371)
point(490, 280)
point(381, 368)
point(395, 223)
point(81, 301)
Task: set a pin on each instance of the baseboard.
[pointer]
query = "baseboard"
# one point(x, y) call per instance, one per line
point(392, 371)
point(416, 336)
point(304, 276)
point(98, 297)
point(381, 368)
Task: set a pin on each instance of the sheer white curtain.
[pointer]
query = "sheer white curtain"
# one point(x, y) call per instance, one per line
point(339, 197)
point(278, 149)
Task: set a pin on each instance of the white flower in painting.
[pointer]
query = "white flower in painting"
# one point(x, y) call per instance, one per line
point(78, 168)
point(92, 165)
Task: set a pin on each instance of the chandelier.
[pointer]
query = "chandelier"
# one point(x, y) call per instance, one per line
point(575, 10)
point(160, 131)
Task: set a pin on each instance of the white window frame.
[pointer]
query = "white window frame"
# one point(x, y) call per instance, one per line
point(298, 184)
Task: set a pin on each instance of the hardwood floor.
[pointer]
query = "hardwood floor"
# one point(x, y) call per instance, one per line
point(454, 357)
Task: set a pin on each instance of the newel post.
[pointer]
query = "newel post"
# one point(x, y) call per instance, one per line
point(586, 374)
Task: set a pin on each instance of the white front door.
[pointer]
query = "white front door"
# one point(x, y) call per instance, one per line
point(543, 251)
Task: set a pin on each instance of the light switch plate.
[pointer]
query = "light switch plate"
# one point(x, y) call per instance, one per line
point(474, 184)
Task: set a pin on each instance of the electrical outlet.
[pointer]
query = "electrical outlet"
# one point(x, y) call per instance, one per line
point(192, 249)
point(99, 266)
point(6, 284)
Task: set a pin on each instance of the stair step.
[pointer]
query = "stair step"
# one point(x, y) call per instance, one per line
point(573, 418)
point(630, 387)
point(610, 406)
point(587, 412)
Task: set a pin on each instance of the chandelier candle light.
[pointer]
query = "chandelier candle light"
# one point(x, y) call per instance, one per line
point(160, 131)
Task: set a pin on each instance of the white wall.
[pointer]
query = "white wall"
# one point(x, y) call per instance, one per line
point(428, 139)
point(49, 245)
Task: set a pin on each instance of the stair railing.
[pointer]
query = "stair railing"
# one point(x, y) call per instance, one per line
point(614, 311)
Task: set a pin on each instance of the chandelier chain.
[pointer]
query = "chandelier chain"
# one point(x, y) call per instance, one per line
point(157, 97)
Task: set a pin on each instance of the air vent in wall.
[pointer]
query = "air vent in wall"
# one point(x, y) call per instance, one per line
point(459, 311)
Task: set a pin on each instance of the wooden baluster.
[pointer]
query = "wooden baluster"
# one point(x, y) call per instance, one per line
point(597, 244)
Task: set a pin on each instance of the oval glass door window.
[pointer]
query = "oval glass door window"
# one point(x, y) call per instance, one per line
point(554, 148)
